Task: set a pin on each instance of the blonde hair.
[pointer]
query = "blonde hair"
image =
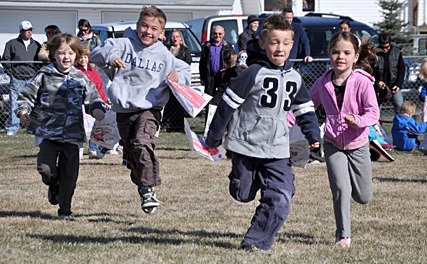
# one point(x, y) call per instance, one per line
point(408, 107)
point(423, 69)
point(73, 41)
point(155, 12)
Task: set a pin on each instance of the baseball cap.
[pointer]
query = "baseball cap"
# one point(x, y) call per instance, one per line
point(25, 25)
point(241, 60)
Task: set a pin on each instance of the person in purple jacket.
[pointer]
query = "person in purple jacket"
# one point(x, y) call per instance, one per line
point(349, 100)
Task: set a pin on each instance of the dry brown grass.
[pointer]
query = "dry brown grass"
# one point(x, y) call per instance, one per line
point(198, 222)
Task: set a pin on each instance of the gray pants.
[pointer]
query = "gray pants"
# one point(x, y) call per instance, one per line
point(350, 175)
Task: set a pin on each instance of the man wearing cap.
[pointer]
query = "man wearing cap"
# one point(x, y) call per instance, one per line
point(249, 32)
point(22, 48)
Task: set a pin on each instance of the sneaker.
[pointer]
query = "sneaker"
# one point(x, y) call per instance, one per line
point(344, 242)
point(149, 202)
point(65, 216)
point(10, 133)
point(93, 154)
point(248, 247)
point(52, 194)
point(100, 153)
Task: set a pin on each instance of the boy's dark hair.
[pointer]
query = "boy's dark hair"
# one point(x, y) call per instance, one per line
point(73, 41)
point(155, 12)
point(275, 22)
point(384, 38)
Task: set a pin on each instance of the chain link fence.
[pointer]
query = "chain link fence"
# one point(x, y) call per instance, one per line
point(173, 114)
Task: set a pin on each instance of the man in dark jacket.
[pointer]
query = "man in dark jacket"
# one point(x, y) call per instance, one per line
point(249, 32)
point(299, 37)
point(389, 72)
point(22, 48)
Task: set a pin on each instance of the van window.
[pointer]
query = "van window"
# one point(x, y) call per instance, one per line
point(231, 30)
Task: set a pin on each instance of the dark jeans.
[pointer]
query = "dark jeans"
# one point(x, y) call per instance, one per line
point(58, 163)
point(275, 179)
point(137, 131)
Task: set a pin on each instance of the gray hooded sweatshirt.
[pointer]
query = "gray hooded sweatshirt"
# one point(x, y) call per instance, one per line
point(142, 83)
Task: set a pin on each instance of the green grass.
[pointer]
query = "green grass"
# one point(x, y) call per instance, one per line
point(198, 222)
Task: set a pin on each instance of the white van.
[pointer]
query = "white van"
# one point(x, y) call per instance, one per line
point(116, 30)
point(233, 26)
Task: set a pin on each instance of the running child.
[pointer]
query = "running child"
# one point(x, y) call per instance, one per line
point(348, 98)
point(253, 112)
point(51, 108)
point(138, 93)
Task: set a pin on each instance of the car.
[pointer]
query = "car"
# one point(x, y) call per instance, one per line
point(116, 30)
point(233, 26)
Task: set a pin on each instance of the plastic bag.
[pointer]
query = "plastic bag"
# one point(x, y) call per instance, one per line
point(191, 100)
point(105, 132)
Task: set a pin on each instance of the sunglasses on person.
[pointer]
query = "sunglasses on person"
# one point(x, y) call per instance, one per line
point(84, 30)
point(217, 34)
point(385, 47)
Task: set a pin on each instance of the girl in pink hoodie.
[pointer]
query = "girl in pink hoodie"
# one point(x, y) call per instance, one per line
point(348, 98)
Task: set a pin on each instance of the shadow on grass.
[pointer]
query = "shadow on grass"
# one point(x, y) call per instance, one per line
point(147, 236)
point(32, 214)
point(388, 179)
point(173, 149)
point(299, 238)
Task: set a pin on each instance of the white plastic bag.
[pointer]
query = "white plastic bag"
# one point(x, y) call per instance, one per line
point(191, 100)
point(105, 132)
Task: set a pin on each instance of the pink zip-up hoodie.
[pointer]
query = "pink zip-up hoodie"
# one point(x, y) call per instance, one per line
point(359, 100)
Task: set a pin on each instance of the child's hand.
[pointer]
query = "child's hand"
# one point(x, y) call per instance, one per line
point(315, 145)
point(118, 63)
point(350, 119)
point(24, 118)
point(98, 114)
point(173, 76)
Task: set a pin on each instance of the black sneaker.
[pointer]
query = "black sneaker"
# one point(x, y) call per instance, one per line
point(65, 216)
point(149, 202)
point(52, 194)
point(248, 247)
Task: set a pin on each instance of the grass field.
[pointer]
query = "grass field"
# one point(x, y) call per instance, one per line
point(198, 222)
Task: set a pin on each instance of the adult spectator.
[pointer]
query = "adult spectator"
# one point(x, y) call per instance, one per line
point(212, 59)
point(90, 39)
point(249, 32)
point(389, 72)
point(23, 48)
point(50, 31)
point(299, 37)
point(345, 26)
point(173, 114)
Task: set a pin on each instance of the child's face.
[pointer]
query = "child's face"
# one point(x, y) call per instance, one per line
point(64, 58)
point(149, 30)
point(84, 60)
point(277, 45)
point(343, 56)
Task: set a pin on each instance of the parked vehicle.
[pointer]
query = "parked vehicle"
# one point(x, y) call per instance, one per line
point(116, 30)
point(233, 26)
